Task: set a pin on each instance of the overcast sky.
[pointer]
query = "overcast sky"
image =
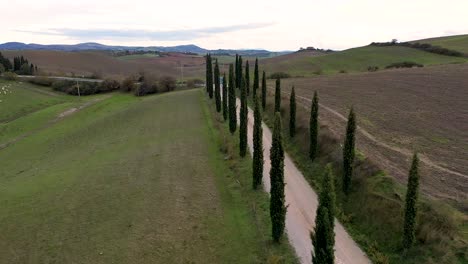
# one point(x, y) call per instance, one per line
point(273, 25)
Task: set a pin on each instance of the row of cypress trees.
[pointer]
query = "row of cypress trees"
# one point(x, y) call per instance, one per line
point(242, 81)
point(323, 234)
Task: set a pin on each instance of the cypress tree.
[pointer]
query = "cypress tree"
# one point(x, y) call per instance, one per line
point(348, 152)
point(411, 207)
point(232, 101)
point(243, 121)
point(256, 80)
point(257, 146)
point(207, 80)
point(264, 91)
point(321, 238)
point(247, 78)
point(313, 127)
point(225, 99)
point(217, 87)
point(327, 195)
point(210, 77)
point(277, 207)
point(278, 96)
point(292, 113)
point(237, 71)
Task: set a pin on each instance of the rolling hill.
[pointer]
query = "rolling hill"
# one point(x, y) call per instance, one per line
point(458, 43)
point(352, 60)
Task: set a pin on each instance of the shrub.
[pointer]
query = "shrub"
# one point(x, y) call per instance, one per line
point(404, 64)
point(318, 72)
point(279, 75)
point(128, 85)
point(192, 83)
point(372, 68)
point(167, 84)
point(343, 71)
point(41, 80)
point(2, 68)
point(10, 76)
point(108, 86)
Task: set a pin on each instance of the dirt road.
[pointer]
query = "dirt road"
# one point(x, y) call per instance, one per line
point(302, 203)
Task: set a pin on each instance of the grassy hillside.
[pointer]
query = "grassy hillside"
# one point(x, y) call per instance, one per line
point(353, 60)
point(458, 43)
point(121, 182)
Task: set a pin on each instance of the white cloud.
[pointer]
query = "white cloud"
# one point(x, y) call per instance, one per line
point(335, 24)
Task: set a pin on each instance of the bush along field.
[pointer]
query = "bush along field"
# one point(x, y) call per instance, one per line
point(374, 208)
point(391, 222)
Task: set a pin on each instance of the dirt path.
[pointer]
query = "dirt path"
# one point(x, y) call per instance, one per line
point(53, 121)
point(370, 137)
point(302, 204)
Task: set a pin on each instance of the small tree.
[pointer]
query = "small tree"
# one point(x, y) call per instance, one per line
point(256, 79)
point(232, 101)
point(277, 207)
point(239, 72)
point(217, 87)
point(278, 96)
point(292, 113)
point(247, 78)
point(264, 91)
point(349, 151)
point(313, 127)
point(257, 146)
point(327, 194)
point(225, 99)
point(243, 121)
point(411, 208)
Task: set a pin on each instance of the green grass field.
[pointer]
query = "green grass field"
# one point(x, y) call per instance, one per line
point(18, 99)
point(131, 180)
point(355, 60)
point(458, 43)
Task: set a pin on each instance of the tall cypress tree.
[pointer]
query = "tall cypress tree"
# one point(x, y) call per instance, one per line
point(225, 99)
point(411, 207)
point(313, 127)
point(278, 96)
point(210, 77)
point(321, 238)
point(243, 121)
point(247, 77)
point(257, 146)
point(348, 151)
point(292, 113)
point(256, 80)
point(236, 71)
point(264, 91)
point(240, 73)
point(232, 101)
point(217, 87)
point(277, 207)
point(207, 79)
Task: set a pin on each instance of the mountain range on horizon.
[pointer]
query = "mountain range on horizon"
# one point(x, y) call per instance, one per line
point(190, 48)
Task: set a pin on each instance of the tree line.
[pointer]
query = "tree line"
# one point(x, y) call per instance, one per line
point(323, 235)
point(20, 65)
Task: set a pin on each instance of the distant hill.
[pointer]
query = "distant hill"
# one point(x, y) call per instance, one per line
point(97, 46)
point(458, 43)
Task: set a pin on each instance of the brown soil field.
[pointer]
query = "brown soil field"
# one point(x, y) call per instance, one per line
point(401, 111)
point(94, 62)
